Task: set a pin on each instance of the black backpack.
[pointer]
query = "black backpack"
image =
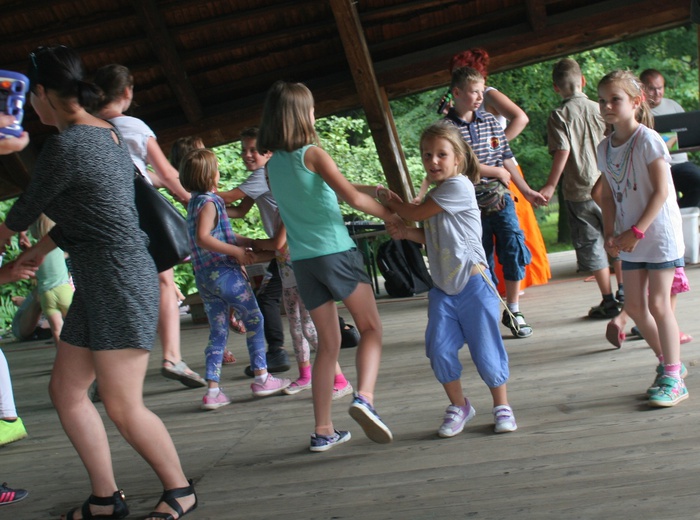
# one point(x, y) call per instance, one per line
point(403, 268)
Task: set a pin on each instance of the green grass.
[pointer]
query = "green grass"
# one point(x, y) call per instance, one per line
point(548, 226)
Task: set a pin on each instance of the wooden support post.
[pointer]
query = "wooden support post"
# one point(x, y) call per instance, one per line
point(374, 102)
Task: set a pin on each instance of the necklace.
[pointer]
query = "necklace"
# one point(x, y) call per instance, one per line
point(621, 169)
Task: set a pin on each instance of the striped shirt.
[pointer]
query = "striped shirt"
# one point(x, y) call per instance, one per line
point(485, 137)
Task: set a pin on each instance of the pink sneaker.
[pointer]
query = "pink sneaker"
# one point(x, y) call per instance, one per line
point(212, 403)
point(272, 386)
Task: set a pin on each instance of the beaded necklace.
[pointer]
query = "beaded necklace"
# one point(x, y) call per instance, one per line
point(620, 171)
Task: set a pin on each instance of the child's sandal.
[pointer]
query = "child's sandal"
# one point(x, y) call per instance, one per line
point(169, 496)
point(117, 500)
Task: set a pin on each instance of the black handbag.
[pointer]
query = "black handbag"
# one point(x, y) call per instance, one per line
point(162, 222)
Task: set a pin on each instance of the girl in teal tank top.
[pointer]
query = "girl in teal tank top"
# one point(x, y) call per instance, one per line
point(306, 183)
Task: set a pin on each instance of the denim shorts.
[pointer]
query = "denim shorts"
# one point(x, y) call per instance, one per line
point(650, 266)
point(330, 277)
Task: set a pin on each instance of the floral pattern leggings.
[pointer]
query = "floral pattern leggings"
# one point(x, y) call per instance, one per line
point(223, 287)
point(301, 327)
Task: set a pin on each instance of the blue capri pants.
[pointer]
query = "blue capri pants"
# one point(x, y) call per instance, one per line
point(222, 287)
point(469, 317)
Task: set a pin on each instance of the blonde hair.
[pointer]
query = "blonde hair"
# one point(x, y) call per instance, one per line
point(463, 76)
point(468, 163)
point(566, 75)
point(286, 119)
point(633, 87)
point(198, 170)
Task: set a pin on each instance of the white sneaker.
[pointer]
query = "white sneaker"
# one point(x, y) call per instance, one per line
point(504, 419)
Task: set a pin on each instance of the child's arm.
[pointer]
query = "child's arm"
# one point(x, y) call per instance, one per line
point(400, 231)
point(627, 240)
point(318, 161)
point(277, 242)
point(516, 116)
point(167, 175)
point(206, 221)
point(423, 190)
point(242, 209)
point(607, 205)
point(559, 159)
point(231, 196)
point(495, 172)
point(535, 198)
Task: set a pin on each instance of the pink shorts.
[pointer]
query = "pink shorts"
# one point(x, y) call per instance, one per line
point(680, 282)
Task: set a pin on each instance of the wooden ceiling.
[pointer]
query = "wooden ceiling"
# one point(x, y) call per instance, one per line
point(203, 67)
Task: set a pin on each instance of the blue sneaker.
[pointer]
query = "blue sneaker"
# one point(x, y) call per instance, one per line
point(326, 442)
point(371, 423)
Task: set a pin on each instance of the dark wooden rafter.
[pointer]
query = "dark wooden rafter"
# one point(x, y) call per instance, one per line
point(536, 14)
point(377, 111)
point(173, 68)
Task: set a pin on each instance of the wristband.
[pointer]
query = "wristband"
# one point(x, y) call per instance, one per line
point(637, 232)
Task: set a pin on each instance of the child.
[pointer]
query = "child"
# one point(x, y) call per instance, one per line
point(639, 198)
point(462, 306)
point(574, 129)
point(301, 326)
point(217, 260)
point(306, 184)
point(255, 190)
point(181, 147)
point(53, 282)
point(483, 133)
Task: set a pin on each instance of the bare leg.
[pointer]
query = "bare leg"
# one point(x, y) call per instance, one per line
point(602, 278)
point(512, 291)
point(120, 375)
point(454, 392)
point(169, 317)
point(637, 307)
point(363, 309)
point(56, 323)
point(499, 395)
point(325, 318)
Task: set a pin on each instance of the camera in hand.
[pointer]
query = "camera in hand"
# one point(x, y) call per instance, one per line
point(13, 89)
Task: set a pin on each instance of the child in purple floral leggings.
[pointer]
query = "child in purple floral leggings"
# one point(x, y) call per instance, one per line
point(217, 259)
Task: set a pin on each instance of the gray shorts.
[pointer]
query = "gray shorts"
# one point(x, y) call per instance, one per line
point(586, 222)
point(330, 277)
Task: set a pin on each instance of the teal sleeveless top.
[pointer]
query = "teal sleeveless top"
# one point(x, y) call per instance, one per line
point(308, 207)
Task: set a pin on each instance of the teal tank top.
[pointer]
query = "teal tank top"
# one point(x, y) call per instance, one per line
point(308, 207)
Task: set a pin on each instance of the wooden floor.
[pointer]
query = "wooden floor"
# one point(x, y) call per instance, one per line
point(587, 446)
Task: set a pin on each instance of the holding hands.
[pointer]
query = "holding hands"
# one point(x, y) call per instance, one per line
point(626, 241)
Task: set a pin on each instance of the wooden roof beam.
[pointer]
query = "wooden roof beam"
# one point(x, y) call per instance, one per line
point(164, 47)
point(536, 14)
point(374, 103)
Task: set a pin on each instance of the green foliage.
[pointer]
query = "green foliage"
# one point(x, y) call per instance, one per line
point(348, 140)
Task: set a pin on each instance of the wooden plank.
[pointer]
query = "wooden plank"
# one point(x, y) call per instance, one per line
point(164, 47)
point(378, 112)
point(536, 14)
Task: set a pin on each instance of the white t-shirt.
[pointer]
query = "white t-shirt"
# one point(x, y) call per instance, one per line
point(136, 134)
point(665, 107)
point(632, 189)
point(453, 236)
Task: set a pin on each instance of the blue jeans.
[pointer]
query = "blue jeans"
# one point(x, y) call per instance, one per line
point(222, 287)
point(512, 252)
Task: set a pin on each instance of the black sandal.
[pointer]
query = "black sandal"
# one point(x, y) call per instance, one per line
point(118, 500)
point(169, 496)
